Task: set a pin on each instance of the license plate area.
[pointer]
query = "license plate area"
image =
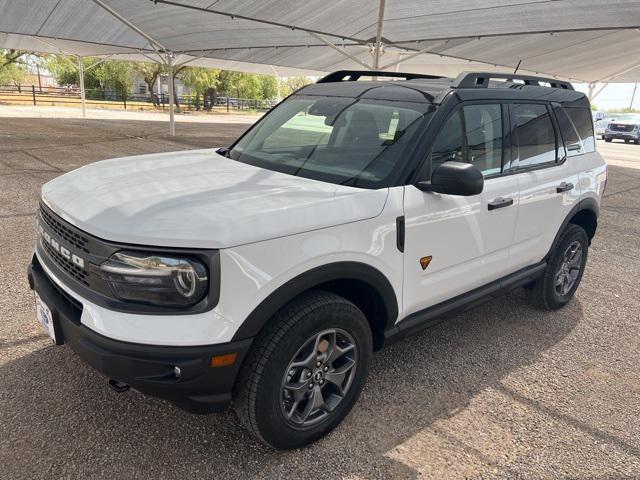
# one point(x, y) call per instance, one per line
point(46, 317)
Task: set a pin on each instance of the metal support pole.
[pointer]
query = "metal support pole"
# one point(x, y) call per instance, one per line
point(275, 72)
point(82, 93)
point(376, 49)
point(172, 124)
point(633, 96)
point(341, 50)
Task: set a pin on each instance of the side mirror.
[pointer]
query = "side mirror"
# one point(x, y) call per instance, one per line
point(454, 178)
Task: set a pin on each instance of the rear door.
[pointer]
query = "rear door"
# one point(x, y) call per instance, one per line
point(548, 181)
point(454, 244)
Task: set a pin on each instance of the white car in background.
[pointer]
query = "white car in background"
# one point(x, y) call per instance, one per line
point(601, 126)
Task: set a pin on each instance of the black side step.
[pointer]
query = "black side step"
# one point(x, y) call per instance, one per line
point(433, 315)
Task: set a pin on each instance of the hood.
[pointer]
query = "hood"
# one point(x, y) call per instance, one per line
point(625, 122)
point(200, 199)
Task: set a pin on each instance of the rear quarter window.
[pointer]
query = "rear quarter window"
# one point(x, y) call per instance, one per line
point(581, 119)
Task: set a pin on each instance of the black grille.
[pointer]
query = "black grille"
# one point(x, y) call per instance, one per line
point(73, 303)
point(67, 265)
point(621, 128)
point(75, 239)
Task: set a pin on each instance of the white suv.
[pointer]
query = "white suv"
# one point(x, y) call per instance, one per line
point(264, 275)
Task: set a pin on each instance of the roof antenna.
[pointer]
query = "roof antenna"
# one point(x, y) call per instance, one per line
point(517, 66)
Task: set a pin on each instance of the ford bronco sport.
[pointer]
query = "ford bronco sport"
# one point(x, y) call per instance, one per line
point(264, 275)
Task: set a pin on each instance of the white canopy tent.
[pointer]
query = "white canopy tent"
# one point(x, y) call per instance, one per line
point(577, 40)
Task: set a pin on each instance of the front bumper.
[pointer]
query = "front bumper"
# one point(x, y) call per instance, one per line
point(634, 135)
point(146, 368)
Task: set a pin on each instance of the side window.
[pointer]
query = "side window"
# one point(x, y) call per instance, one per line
point(536, 134)
point(483, 126)
point(581, 118)
point(569, 133)
point(473, 134)
point(448, 144)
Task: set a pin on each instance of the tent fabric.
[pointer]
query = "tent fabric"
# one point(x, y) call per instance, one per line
point(577, 40)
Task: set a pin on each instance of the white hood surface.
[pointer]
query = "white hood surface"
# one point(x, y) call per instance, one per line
point(200, 199)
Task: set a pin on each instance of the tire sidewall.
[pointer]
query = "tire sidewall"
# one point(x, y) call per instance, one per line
point(573, 233)
point(273, 427)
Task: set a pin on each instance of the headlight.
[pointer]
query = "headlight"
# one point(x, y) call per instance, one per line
point(155, 278)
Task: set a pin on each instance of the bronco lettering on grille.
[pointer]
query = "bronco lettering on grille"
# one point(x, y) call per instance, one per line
point(61, 249)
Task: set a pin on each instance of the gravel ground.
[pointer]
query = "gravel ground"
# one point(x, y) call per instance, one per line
point(502, 391)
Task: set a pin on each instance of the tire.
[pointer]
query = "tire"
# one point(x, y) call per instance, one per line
point(637, 141)
point(603, 137)
point(626, 140)
point(545, 292)
point(608, 140)
point(266, 407)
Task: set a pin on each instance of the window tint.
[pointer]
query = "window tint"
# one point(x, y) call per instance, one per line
point(569, 133)
point(536, 135)
point(448, 144)
point(472, 134)
point(581, 119)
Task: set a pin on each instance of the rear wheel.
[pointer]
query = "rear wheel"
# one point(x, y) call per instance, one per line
point(305, 371)
point(564, 270)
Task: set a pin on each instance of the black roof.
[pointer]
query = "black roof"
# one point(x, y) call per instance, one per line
point(435, 89)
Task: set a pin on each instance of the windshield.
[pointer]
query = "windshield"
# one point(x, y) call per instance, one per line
point(349, 141)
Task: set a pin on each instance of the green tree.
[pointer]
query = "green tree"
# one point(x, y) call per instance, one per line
point(149, 73)
point(10, 57)
point(65, 70)
point(116, 76)
point(12, 67)
point(269, 86)
point(13, 74)
point(291, 84)
point(199, 79)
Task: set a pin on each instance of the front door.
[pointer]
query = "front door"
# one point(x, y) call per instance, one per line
point(466, 238)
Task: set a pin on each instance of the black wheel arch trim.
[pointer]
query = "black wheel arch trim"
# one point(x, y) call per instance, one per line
point(589, 204)
point(315, 277)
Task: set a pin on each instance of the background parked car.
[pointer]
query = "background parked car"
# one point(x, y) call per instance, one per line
point(625, 127)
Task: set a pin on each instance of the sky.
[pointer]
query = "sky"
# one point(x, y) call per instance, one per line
point(614, 96)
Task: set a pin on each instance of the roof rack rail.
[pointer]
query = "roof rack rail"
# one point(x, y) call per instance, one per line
point(481, 80)
point(354, 75)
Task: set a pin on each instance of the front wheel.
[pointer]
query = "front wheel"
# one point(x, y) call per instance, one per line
point(564, 270)
point(305, 371)
point(608, 140)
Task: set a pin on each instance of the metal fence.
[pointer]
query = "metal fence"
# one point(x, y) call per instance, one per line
point(66, 96)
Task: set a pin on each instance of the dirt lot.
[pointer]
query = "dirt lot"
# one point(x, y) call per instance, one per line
point(503, 391)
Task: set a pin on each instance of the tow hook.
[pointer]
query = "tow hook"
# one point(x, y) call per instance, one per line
point(119, 387)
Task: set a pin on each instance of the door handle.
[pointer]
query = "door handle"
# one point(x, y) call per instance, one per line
point(564, 187)
point(500, 202)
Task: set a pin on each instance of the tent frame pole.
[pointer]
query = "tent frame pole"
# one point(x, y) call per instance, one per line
point(379, 24)
point(172, 122)
point(413, 55)
point(633, 96)
point(157, 46)
point(340, 50)
point(83, 97)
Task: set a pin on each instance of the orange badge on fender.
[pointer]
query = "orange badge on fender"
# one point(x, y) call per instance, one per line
point(425, 261)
